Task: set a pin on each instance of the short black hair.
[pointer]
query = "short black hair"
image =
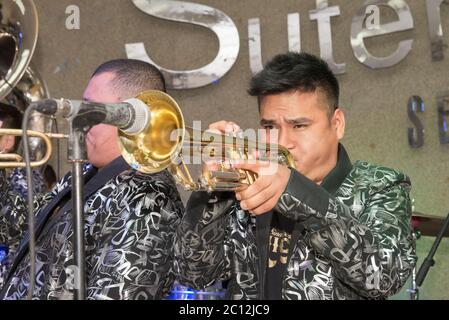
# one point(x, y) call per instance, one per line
point(11, 118)
point(133, 76)
point(296, 72)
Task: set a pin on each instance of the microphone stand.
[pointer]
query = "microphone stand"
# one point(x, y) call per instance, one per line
point(77, 155)
point(429, 261)
point(80, 121)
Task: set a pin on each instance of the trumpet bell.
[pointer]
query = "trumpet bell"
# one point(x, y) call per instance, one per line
point(158, 146)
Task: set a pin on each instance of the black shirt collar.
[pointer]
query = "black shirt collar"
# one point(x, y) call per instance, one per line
point(101, 177)
point(119, 164)
point(336, 177)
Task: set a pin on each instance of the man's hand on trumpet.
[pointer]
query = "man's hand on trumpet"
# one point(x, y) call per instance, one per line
point(263, 195)
point(221, 127)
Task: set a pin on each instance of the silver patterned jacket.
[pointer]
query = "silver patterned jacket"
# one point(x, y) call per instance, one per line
point(130, 221)
point(352, 237)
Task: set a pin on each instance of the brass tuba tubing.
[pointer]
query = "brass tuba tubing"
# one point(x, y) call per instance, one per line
point(13, 160)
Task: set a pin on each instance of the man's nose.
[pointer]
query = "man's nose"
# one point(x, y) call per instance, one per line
point(286, 139)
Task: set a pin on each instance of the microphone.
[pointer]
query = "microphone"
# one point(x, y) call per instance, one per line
point(131, 116)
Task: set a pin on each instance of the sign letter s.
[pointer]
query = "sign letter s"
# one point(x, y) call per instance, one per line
point(198, 14)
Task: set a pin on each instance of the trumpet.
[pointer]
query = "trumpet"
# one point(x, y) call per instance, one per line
point(156, 148)
point(14, 160)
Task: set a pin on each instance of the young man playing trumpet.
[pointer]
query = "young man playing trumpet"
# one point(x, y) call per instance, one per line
point(329, 229)
point(130, 217)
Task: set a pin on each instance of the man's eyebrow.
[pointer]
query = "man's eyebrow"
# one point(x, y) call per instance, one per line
point(298, 121)
point(266, 122)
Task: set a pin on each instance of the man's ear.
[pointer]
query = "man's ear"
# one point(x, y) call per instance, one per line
point(339, 123)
